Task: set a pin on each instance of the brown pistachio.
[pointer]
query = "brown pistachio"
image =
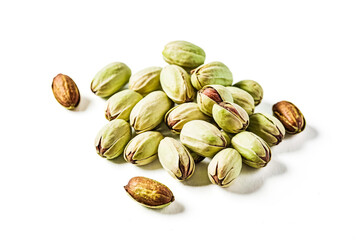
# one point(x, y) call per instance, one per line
point(65, 91)
point(290, 116)
point(149, 193)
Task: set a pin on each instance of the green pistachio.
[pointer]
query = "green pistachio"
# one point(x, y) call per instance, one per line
point(243, 99)
point(112, 138)
point(211, 73)
point(176, 117)
point(120, 104)
point(183, 54)
point(253, 88)
point(202, 138)
point(146, 80)
point(143, 148)
point(176, 159)
point(225, 167)
point(149, 193)
point(268, 127)
point(254, 150)
point(175, 82)
point(149, 112)
point(290, 116)
point(110, 79)
point(230, 117)
point(210, 95)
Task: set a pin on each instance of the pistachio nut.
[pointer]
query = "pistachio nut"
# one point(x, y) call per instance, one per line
point(254, 151)
point(253, 88)
point(210, 95)
point(183, 54)
point(149, 112)
point(143, 148)
point(65, 91)
point(225, 167)
point(176, 117)
point(176, 159)
point(268, 127)
point(175, 82)
point(230, 117)
point(290, 116)
point(149, 193)
point(211, 73)
point(243, 99)
point(146, 80)
point(112, 138)
point(110, 79)
point(202, 138)
point(120, 104)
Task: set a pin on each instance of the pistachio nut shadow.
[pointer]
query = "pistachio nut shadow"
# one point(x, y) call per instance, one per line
point(174, 208)
point(118, 160)
point(252, 179)
point(83, 104)
point(200, 176)
point(293, 143)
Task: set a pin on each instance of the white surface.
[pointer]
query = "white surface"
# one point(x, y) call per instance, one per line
point(53, 185)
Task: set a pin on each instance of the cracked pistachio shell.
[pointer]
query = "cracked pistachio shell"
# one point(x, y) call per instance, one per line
point(243, 99)
point(146, 80)
point(202, 138)
point(110, 79)
point(143, 148)
point(176, 117)
point(253, 88)
point(175, 82)
point(112, 138)
point(120, 104)
point(214, 73)
point(254, 151)
point(225, 167)
point(230, 117)
point(210, 95)
point(268, 127)
point(149, 193)
point(149, 112)
point(176, 159)
point(290, 116)
point(183, 54)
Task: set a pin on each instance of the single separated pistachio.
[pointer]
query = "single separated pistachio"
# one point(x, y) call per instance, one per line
point(211, 73)
point(176, 117)
point(149, 112)
point(210, 95)
point(149, 193)
point(183, 54)
point(230, 117)
point(268, 127)
point(202, 138)
point(253, 88)
point(146, 80)
point(65, 91)
point(225, 167)
point(254, 150)
point(120, 104)
point(176, 159)
point(110, 79)
point(243, 99)
point(143, 148)
point(290, 116)
point(112, 138)
point(175, 82)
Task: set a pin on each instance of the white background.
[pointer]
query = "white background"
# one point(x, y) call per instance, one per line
point(53, 185)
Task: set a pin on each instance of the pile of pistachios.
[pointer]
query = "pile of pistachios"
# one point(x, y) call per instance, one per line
point(197, 101)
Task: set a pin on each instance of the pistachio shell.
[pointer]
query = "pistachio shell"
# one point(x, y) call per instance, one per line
point(230, 117)
point(290, 116)
point(120, 104)
point(210, 95)
point(146, 80)
point(243, 99)
point(253, 88)
point(65, 91)
point(110, 79)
